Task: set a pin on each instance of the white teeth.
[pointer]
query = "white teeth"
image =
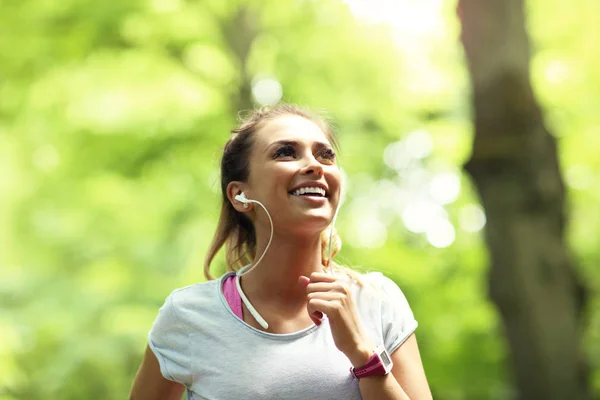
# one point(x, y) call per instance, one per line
point(316, 190)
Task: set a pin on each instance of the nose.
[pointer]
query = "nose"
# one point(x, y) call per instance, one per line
point(313, 166)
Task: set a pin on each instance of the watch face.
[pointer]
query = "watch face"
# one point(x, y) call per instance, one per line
point(385, 359)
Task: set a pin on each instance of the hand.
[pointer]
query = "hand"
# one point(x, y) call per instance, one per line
point(331, 296)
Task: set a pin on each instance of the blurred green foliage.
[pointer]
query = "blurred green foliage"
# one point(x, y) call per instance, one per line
point(112, 117)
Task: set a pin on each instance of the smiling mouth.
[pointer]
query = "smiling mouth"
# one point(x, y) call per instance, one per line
point(309, 191)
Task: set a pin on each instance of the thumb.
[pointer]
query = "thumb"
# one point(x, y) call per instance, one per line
point(304, 280)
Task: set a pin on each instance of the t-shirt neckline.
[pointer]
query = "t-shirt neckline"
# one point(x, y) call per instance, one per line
point(274, 336)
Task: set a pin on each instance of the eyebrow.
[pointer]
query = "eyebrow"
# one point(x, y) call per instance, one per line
point(295, 143)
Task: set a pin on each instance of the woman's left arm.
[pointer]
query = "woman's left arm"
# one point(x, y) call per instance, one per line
point(407, 380)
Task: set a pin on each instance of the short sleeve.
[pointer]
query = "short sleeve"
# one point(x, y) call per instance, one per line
point(169, 341)
point(397, 319)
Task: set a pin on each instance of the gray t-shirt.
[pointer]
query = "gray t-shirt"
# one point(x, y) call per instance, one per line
point(200, 343)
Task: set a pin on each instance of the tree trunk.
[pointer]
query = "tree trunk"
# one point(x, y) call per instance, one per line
point(239, 33)
point(515, 168)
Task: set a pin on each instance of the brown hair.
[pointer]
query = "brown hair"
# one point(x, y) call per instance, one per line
point(235, 230)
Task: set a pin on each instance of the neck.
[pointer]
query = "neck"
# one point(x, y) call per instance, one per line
point(275, 278)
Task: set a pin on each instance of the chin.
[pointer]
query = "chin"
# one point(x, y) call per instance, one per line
point(314, 224)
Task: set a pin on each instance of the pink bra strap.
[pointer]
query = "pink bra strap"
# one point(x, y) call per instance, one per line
point(233, 296)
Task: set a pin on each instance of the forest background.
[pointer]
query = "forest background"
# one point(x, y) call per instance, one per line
point(112, 119)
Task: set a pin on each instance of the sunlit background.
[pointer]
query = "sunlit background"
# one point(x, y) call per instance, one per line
point(112, 119)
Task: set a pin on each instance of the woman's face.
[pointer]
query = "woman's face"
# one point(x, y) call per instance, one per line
point(293, 172)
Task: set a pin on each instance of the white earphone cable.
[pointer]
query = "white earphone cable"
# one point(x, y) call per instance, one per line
point(249, 268)
point(249, 306)
point(240, 273)
point(329, 268)
point(261, 321)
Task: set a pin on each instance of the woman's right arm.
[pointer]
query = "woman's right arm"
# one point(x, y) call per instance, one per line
point(149, 383)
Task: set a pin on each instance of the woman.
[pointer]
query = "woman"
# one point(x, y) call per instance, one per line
point(293, 324)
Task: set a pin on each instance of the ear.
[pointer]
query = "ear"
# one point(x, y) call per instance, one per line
point(233, 189)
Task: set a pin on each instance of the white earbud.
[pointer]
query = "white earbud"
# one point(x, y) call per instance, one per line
point(242, 199)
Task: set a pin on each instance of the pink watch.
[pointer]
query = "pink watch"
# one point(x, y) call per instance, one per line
point(380, 363)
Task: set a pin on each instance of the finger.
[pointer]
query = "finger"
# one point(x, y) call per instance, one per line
point(318, 304)
point(327, 296)
point(323, 306)
point(322, 277)
point(316, 317)
point(334, 287)
point(323, 303)
point(321, 287)
point(303, 280)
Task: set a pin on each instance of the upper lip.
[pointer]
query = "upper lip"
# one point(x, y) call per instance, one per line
point(311, 184)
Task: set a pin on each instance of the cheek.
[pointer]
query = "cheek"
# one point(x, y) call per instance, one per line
point(279, 179)
point(336, 178)
point(284, 172)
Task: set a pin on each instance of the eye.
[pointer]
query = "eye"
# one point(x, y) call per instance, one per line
point(327, 154)
point(285, 151)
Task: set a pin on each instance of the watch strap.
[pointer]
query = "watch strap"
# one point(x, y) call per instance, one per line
point(374, 366)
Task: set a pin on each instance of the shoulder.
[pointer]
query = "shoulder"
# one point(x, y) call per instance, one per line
point(375, 283)
point(381, 282)
point(191, 291)
point(187, 307)
point(374, 289)
point(188, 301)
